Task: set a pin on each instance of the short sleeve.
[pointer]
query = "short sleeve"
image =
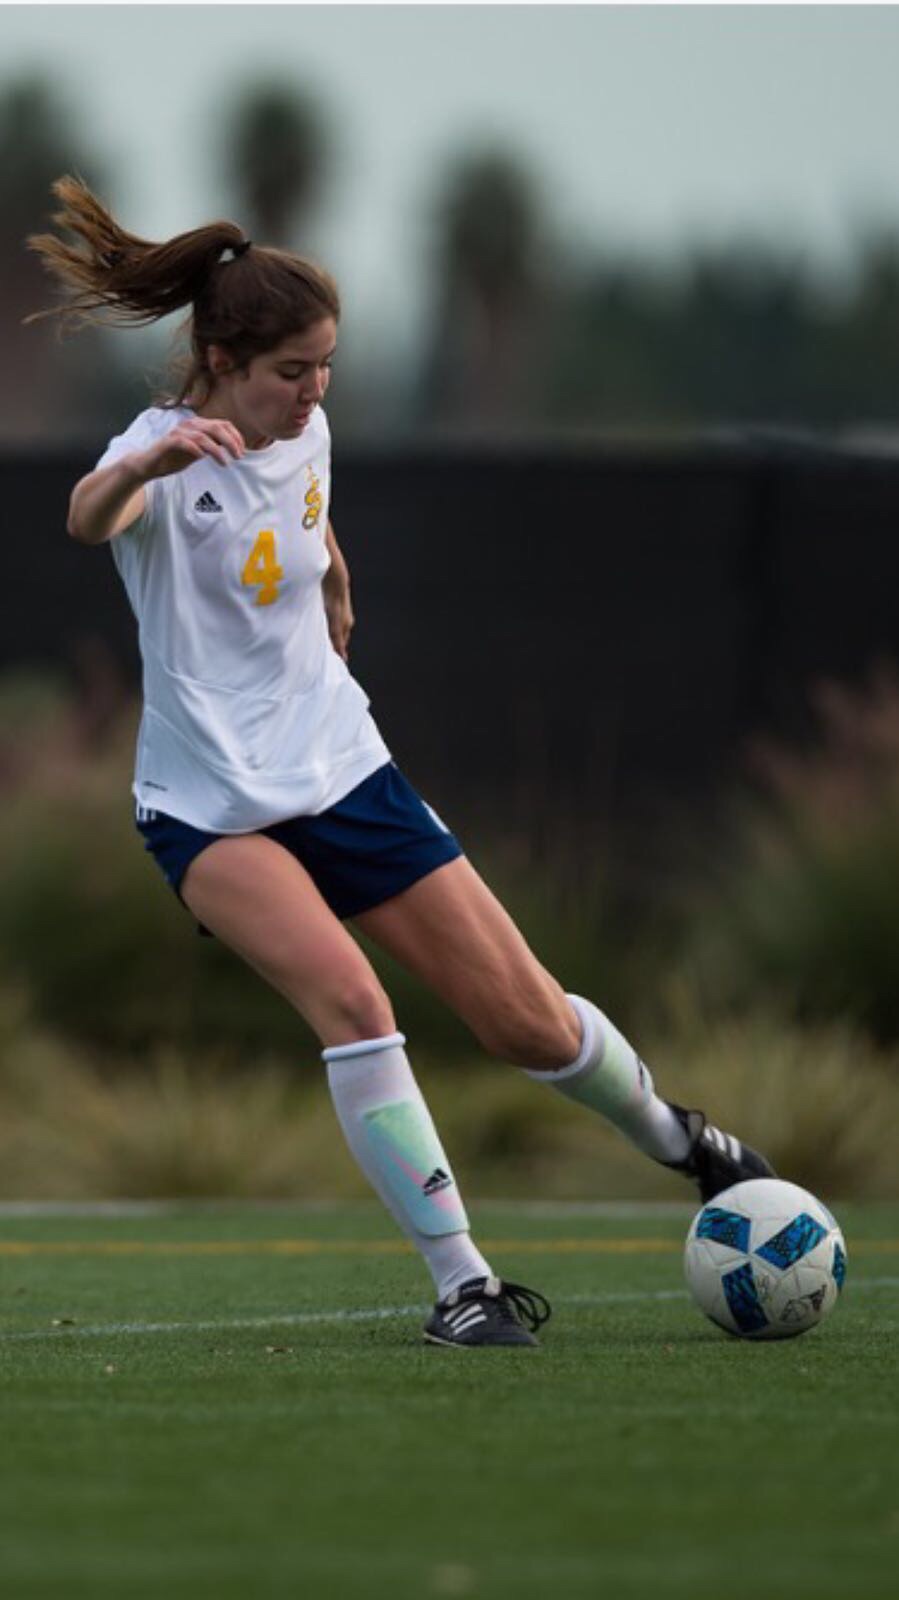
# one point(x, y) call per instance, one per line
point(143, 431)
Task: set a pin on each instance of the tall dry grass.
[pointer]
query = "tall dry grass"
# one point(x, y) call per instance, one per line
point(805, 910)
point(823, 1103)
point(138, 1060)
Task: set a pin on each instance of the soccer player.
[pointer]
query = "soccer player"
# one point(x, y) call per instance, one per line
point(263, 787)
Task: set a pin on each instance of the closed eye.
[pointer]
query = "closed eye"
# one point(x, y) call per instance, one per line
point(297, 371)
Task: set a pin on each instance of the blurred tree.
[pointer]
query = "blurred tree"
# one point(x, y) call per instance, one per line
point(745, 334)
point(37, 141)
point(45, 388)
point(607, 361)
point(861, 366)
point(725, 336)
point(276, 157)
point(488, 330)
point(742, 322)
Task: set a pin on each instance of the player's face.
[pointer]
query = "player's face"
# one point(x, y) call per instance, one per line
point(275, 395)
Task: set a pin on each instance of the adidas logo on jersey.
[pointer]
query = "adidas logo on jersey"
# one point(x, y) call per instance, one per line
point(437, 1181)
point(206, 502)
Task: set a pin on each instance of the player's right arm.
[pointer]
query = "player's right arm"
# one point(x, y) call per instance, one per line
point(109, 499)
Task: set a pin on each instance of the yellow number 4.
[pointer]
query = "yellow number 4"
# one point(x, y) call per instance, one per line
point(261, 569)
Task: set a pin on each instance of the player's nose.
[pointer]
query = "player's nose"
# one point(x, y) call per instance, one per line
point(317, 384)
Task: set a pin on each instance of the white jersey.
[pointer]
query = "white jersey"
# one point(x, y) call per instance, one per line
point(250, 716)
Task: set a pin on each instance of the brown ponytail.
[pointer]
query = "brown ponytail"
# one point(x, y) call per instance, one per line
point(246, 300)
point(129, 279)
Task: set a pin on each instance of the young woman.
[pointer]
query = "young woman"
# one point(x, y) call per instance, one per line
point(263, 788)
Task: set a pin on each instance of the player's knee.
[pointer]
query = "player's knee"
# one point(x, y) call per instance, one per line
point(362, 1010)
point(539, 1037)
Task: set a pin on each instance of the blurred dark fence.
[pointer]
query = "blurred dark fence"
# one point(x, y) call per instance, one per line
point(591, 633)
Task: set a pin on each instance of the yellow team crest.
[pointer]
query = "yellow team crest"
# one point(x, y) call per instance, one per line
point(313, 500)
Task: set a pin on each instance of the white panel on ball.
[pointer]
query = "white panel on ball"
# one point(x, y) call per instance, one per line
point(765, 1259)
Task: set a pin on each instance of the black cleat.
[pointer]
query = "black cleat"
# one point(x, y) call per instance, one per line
point(487, 1311)
point(716, 1160)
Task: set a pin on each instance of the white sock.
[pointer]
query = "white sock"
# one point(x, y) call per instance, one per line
point(609, 1076)
point(388, 1127)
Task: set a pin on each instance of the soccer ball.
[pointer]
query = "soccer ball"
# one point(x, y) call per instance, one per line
point(765, 1259)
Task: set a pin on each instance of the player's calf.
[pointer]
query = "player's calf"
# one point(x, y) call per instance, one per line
point(534, 1031)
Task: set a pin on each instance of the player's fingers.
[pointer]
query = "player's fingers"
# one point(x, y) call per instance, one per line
point(179, 449)
point(228, 435)
point(180, 439)
point(224, 432)
point(197, 445)
point(210, 447)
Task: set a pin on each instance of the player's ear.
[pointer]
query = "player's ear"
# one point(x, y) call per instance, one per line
point(218, 360)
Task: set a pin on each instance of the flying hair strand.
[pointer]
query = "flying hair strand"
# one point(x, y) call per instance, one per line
point(109, 275)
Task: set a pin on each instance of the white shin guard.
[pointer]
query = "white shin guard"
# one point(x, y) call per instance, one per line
point(389, 1129)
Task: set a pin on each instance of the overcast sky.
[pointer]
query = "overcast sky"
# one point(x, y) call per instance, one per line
point(645, 125)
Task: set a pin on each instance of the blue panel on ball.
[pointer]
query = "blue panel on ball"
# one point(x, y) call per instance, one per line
point(743, 1299)
point(725, 1227)
point(839, 1266)
point(792, 1242)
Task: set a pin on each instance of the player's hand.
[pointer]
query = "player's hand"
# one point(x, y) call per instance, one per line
point(190, 442)
point(339, 611)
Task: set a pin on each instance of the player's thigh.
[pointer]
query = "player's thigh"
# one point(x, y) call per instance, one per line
point(453, 933)
point(257, 898)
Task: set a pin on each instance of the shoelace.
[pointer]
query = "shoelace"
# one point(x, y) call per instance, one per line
point(532, 1308)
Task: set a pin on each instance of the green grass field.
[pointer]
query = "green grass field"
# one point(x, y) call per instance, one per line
point(234, 1402)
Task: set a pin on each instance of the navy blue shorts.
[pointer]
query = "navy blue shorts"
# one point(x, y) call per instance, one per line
point(374, 843)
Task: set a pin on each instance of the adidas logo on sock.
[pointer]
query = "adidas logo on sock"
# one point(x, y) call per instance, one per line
point(437, 1181)
point(206, 502)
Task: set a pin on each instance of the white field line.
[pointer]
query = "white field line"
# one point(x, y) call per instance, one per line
point(305, 1319)
point(550, 1209)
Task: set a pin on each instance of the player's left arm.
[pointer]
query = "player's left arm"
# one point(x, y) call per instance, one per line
point(336, 590)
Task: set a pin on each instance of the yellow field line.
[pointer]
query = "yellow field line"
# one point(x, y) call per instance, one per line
point(313, 1247)
point(360, 1247)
